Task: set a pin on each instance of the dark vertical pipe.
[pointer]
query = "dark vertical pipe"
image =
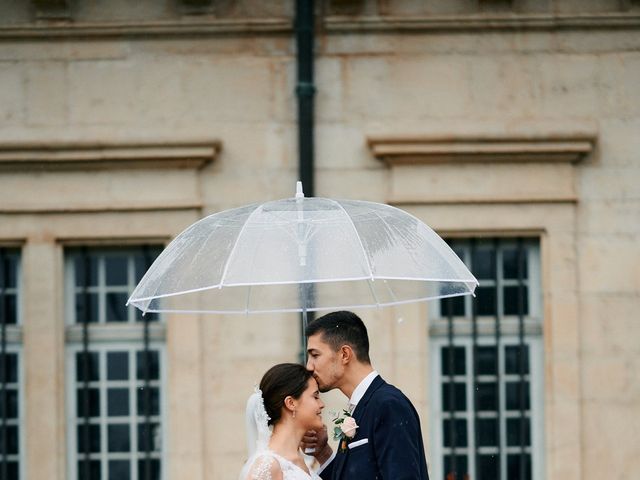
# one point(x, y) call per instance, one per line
point(305, 91)
point(474, 350)
point(4, 311)
point(521, 356)
point(147, 382)
point(452, 390)
point(86, 358)
point(498, 333)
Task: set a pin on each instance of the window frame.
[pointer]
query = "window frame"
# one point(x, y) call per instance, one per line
point(18, 349)
point(73, 421)
point(106, 336)
point(536, 415)
point(14, 330)
point(101, 289)
point(533, 281)
point(509, 329)
point(15, 345)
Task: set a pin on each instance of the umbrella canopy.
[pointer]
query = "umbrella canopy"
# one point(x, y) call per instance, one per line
point(302, 254)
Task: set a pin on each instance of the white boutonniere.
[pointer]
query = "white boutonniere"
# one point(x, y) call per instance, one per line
point(344, 429)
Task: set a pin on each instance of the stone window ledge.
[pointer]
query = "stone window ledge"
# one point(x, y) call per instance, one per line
point(482, 169)
point(459, 149)
point(96, 155)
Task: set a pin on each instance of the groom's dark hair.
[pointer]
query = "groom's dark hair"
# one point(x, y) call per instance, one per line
point(342, 328)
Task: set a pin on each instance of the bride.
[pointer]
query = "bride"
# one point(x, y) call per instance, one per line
point(286, 405)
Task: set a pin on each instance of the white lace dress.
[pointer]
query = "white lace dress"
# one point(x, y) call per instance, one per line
point(261, 468)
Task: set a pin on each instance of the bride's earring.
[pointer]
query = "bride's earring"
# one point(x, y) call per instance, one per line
point(294, 413)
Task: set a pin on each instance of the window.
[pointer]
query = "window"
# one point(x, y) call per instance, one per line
point(11, 446)
point(117, 412)
point(102, 281)
point(487, 359)
point(115, 368)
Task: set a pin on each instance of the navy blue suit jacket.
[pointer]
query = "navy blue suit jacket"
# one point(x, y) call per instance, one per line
point(388, 443)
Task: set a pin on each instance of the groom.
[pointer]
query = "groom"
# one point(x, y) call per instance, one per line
point(387, 443)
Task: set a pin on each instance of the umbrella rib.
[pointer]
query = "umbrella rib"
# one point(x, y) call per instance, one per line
point(235, 246)
point(364, 253)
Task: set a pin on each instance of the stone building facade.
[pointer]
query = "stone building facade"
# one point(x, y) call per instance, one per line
point(506, 125)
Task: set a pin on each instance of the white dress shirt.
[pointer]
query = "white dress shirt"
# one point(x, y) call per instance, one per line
point(360, 390)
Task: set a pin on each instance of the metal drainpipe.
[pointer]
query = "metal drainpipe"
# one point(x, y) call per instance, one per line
point(305, 91)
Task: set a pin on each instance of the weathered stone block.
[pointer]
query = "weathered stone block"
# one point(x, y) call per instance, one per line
point(566, 83)
point(508, 182)
point(329, 80)
point(609, 379)
point(506, 85)
point(609, 264)
point(223, 90)
point(184, 395)
point(618, 144)
point(609, 324)
point(102, 92)
point(443, 90)
point(46, 93)
point(609, 184)
point(610, 438)
point(613, 217)
point(11, 93)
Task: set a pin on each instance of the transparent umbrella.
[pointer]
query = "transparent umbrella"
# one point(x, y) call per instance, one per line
point(301, 255)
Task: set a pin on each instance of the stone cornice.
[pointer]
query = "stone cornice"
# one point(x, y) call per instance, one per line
point(27, 156)
point(99, 208)
point(172, 28)
point(332, 24)
point(480, 22)
point(471, 149)
point(459, 200)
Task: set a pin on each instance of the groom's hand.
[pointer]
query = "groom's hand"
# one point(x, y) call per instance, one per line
point(319, 442)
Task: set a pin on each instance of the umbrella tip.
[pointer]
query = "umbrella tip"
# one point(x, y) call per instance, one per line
point(299, 193)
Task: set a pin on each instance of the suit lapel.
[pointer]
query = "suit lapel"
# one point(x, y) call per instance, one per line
point(362, 404)
point(358, 413)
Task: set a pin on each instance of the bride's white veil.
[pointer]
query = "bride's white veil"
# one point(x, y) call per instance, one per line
point(258, 430)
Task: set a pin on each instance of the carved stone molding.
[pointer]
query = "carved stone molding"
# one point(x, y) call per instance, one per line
point(332, 24)
point(147, 29)
point(508, 169)
point(96, 155)
point(110, 178)
point(458, 149)
point(480, 22)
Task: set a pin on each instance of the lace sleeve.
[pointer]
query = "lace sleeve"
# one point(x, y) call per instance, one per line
point(265, 468)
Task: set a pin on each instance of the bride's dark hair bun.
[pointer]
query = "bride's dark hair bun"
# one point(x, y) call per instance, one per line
point(281, 381)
